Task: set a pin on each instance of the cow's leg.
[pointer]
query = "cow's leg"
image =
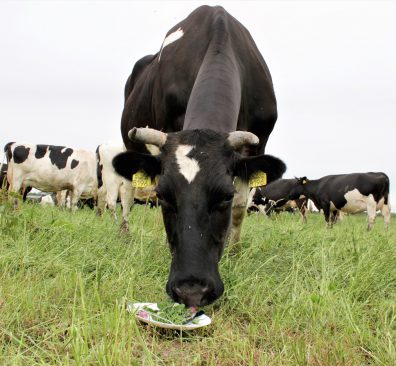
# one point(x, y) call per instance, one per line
point(101, 201)
point(250, 199)
point(238, 209)
point(74, 196)
point(126, 195)
point(24, 192)
point(371, 211)
point(334, 215)
point(111, 199)
point(304, 211)
point(61, 197)
point(15, 187)
point(60, 200)
point(327, 214)
point(386, 213)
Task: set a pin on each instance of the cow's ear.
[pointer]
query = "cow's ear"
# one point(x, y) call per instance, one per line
point(129, 162)
point(272, 166)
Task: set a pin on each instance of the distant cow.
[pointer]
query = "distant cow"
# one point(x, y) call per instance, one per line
point(349, 193)
point(112, 185)
point(275, 196)
point(52, 168)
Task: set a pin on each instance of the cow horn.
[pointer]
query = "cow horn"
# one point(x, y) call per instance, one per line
point(239, 138)
point(148, 136)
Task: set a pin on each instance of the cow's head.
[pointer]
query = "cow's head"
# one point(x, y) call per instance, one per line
point(196, 170)
point(299, 188)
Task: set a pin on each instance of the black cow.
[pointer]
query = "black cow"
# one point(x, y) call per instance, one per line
point(200, 94)
point(275, 196)
point(349, 193)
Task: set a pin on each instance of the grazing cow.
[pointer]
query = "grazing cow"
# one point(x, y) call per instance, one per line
point(348, 193)
point(198, 96)
point(52, 168)
point(274, 197)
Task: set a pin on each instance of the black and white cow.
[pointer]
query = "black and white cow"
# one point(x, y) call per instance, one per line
point(52, 168)
point(199, 95)
point(348, 193)
point(275, 196)
point(113, 186)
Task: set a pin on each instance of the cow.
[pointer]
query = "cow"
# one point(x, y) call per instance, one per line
point(274, 197)
point(52, 168)
point(347, 193)
point(205, 102)
point(113, 186)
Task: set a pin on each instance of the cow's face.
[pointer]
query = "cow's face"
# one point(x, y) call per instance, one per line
point(196, 171)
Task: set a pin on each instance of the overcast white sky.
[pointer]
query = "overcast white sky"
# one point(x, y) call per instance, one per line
point(63, 67)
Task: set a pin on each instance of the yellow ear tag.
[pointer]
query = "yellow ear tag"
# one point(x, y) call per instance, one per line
point(304, 182)
point(258, 179)
point(141, 180)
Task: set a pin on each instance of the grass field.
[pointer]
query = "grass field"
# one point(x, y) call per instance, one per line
point(295, 295)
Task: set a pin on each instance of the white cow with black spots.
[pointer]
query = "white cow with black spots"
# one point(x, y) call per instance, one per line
point(113, 186)
point(52, 168)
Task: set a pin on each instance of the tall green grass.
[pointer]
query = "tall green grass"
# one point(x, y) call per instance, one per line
point(294, 295)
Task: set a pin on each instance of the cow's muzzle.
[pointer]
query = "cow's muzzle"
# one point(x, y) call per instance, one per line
point(194, 293)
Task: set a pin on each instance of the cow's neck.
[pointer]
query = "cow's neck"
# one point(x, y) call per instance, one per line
point(215, 99)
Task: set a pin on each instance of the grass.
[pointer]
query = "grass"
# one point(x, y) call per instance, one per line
point(295, 295)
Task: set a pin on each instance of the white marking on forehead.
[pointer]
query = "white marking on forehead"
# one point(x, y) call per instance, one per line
point(174, 36)
point(187, 167)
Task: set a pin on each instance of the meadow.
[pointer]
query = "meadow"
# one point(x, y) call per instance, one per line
point(294, 294)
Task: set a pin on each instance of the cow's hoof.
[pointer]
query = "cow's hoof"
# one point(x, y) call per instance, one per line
point(125, 228)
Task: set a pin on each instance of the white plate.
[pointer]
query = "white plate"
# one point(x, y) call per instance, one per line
point(199, 321)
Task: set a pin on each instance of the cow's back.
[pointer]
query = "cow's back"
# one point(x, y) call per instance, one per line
point(160, 91)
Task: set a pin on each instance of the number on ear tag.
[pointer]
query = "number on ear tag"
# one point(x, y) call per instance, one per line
point(258, 179)
point(141, 180)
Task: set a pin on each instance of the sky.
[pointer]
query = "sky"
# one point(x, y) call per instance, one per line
point(63, 68)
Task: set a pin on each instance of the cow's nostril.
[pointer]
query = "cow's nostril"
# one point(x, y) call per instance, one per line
point(192, 294)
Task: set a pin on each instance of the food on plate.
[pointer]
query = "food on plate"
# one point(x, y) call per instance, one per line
point(171, 313)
